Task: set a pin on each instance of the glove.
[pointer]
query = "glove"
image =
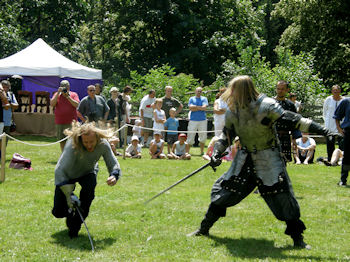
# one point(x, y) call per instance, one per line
point(116, 173)
point(75, 200)
point(67, 190)
point(215, 160)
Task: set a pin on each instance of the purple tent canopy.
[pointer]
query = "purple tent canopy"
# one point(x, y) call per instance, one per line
point(51, 84)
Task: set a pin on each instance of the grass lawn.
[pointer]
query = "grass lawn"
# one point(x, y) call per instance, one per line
point(124, 229)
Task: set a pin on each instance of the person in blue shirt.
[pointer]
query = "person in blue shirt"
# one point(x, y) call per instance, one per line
point(343, 113)
point(198, 119)
point(171, 124)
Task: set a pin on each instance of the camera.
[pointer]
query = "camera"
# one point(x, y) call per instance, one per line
point(64, 89)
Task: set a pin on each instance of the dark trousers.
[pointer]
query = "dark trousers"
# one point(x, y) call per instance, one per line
point(87, 194)
point(282, 204)
point(331, 146)
point(345, 167)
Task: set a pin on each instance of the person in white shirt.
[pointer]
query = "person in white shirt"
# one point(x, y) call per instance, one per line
point(134, 149)
point(305, 150)
point(220, 108)
point(156, 147)
point(158, 116)
point(329, 106)
point(146, 113)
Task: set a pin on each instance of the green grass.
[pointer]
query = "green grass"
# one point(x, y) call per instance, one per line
point(124, 229)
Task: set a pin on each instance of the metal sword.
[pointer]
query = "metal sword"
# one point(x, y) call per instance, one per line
point(82, 219)
point(183, 179)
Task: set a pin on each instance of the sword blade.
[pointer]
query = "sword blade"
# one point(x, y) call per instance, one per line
point(82, 219)
point(178, 182)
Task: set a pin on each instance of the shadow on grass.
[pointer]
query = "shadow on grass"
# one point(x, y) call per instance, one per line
point(82, 242)
point(251, 248)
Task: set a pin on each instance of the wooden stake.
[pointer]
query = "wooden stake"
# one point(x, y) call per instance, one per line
point(3, 157)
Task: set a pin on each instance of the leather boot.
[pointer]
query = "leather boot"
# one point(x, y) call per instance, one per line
point(208, 221)
point(299, 242)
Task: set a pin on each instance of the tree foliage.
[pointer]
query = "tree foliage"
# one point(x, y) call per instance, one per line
point(322, 28)
point(195, 37)
point(296, 69)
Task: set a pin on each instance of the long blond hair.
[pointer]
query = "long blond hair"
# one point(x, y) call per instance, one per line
point(77, 130)
point(240, 92)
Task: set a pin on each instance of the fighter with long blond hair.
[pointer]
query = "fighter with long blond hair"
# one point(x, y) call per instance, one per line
point(78, 164)
point(259, 162)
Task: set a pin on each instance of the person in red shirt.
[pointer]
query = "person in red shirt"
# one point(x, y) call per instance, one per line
point(65, 103)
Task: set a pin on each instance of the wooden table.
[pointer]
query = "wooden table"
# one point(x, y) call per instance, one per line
point(35, 124)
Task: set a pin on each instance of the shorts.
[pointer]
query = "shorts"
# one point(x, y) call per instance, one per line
point(171, 139)
point(60, 129)
point(200, 126)
point(149, 124)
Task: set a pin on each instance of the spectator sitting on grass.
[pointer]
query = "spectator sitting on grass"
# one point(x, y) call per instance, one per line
point(336, 159)
point(232, 150)
point(171, 124)
point(134, 149)
point(305, 150)
point(156, 147)
point(180, 149)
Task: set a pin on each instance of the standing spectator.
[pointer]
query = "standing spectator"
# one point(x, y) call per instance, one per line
point(77, 164)
point(343, 113)
point(284, 133)
point(123, 109)
point(293, 98)
point(93, 107)
point(98, 90)
point(156, 147)
point(220, 108)
point(146, 114)
point(158, 115)
point(65, 103)
point(329, 106)
point(180, 149)
point(134, 149)
point(136, 130)
point(305, 150)
point(171, 124)
point(5, 105)
point(170, 102)
point(198, 119)
point(6, 85)
point(112, 114)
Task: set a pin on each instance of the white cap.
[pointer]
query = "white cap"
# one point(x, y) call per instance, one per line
point(113, 89)
point(134, 138)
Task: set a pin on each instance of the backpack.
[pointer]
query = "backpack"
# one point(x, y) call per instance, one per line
point(19, 162)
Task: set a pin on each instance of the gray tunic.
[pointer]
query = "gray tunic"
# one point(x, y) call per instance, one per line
point(74, 163)
point(93, 109)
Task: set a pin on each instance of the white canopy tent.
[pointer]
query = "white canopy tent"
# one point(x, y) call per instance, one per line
point(39, 59)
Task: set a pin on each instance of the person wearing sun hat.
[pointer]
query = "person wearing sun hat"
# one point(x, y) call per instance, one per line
point(134, 148)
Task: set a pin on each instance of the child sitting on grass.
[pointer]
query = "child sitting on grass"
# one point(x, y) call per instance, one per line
point(232, 150)
point(180, 149)
point(156, 147)
point(134, 149)
point(171, 124)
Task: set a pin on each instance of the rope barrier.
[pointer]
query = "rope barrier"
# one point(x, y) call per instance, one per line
point(122, 127)
point(173, 131)
point(30, 144)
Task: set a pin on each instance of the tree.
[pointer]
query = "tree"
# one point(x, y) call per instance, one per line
point(321, 27)
point(194, 37)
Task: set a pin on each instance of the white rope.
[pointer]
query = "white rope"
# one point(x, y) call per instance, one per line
point(30, 144)
point(173, 131)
